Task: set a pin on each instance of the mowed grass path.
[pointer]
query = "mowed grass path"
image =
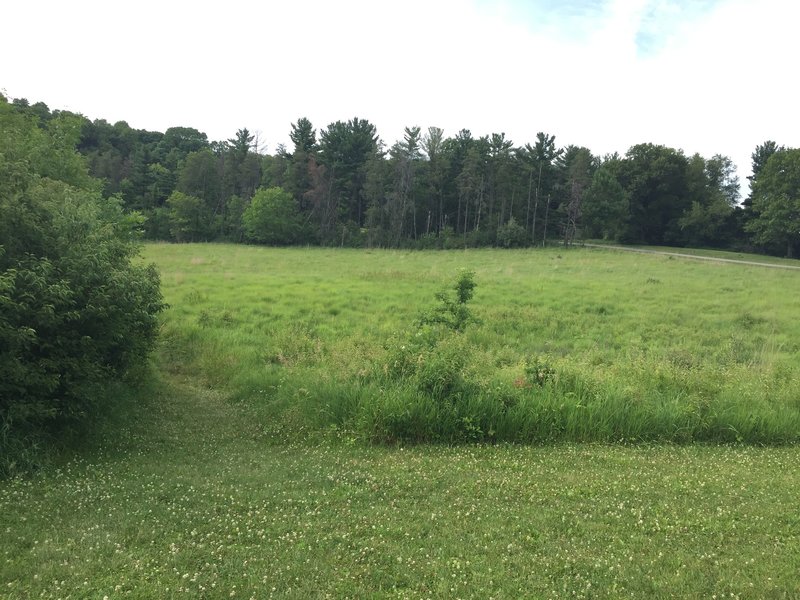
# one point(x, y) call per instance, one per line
point(195, 492)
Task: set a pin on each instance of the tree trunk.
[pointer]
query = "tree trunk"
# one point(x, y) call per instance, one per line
point(466, 217)
point(480, 206)
point(458, 215)
point(536, 206)
point(528, 212)
point(546, 215)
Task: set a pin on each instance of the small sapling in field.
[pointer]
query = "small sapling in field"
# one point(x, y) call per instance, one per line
point(434, 354)
point(452, 311)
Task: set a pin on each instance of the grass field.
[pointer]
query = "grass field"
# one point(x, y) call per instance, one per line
point(244, 469)
point(631, 347)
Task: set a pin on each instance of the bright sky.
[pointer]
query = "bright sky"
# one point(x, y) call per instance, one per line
point(707, 76)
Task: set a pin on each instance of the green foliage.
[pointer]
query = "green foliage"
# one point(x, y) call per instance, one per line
point(234, 507)
point(431, 361)
point(179, 142)
point(352, 189)
point(426, 373)
point(703, 225)
point(345, 149)
point(452, 310)
point(234, 227)
point(714, 191)
point(76, 310)
point(605, 206)
point(433, 357)
point(538, 371)
point(511, 235)
point(199, 176)
point(655, 178)
point(439, 369)
point(776, 202)
point(272, 218)
point(189, 220)
point(760, 156)
point(303, 135)
point(158, 224)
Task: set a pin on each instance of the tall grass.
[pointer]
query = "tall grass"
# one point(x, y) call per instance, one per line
point(635, 347)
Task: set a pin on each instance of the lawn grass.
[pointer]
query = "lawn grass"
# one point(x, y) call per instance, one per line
point(194, 498)
point(242, 470)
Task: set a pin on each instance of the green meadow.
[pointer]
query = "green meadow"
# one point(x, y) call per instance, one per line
point(579, 345)
point(607, 425)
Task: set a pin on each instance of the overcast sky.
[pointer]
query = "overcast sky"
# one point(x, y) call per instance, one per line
point(707, 76)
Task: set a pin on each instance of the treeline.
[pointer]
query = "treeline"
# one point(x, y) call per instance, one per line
point(343, 186)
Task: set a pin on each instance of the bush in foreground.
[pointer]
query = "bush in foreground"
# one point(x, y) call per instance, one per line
point(76, 311)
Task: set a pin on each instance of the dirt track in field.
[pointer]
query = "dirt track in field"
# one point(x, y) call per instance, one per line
point(694, 256)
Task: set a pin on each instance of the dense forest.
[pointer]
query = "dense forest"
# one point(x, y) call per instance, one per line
point(341, 185)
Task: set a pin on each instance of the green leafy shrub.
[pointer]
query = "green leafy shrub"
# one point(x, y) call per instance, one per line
point(272, 218)
point(452, 311)
point(511, 235)
point(76, 310)
point(424, 374)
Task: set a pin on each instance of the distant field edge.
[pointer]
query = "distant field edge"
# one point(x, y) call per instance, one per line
point(705, 257)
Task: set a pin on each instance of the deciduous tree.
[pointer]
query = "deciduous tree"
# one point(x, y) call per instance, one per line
point(189, 218)
point(656, 180)
point(776, 202)
point(272, 218)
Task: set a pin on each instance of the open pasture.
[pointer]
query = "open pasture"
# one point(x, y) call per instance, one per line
point(232, 475)
point(579, 345)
